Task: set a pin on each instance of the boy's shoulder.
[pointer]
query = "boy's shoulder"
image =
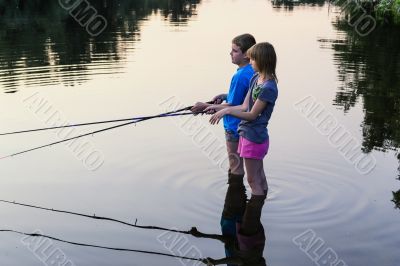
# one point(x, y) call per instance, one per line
point(245, 72)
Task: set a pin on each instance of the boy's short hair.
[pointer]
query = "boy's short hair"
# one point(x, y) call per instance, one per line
point(244, 41)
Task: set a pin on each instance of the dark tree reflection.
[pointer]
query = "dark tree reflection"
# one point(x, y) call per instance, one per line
point(41, 44)
point(369, 72)
point(289, 5)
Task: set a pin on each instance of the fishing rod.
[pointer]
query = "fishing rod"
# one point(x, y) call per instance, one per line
point(205, 261)
point(97, 217)
point(75, 125)
point(96, 123)
point(90, 133)
point(168, 114)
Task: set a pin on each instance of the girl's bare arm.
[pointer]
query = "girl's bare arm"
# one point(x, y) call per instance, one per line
point(258, 107)
point(240, 111)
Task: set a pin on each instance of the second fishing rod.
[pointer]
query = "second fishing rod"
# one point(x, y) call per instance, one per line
point(98, 122)
point(179, 112)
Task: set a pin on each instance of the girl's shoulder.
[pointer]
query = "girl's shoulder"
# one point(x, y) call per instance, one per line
point(270, 84)
point(254, 79)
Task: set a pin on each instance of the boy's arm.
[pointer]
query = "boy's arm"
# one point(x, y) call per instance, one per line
point(200, 106)
point(243, 107)
point(220, 98)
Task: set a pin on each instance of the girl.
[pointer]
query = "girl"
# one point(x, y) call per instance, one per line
point(255, 113)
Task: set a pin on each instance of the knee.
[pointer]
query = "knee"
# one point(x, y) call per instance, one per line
point(234, 158)
point(236, 164)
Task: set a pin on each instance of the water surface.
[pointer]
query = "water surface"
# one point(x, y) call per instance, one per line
point(154, 53)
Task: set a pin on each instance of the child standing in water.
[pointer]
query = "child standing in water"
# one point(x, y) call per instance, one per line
point(237, 92)
point(255, 113)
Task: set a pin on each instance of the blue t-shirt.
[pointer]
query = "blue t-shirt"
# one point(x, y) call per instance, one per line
point(236, 95)
point(256, 130)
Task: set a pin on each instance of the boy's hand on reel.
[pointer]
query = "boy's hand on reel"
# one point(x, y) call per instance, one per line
point(199, 107)
point(219, 99)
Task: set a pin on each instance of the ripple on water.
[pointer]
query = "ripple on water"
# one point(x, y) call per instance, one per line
point(203, 191)
point(316, 196)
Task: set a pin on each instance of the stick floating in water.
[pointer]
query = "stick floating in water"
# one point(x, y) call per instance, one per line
point(95, 217)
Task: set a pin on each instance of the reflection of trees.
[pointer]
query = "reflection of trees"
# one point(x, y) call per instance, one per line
point(368, 69)
point(41, 44)
point(396, 199)
point(396, 196)
point(289, 5)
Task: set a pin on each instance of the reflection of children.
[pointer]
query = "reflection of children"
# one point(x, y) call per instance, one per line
point(255, 113)
point(241, 222)
point(237, 92)
point(242, 231)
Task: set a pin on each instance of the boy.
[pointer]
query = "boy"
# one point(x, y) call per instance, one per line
point(237, 92)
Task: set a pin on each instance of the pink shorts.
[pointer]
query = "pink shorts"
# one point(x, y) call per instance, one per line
point(251, 150)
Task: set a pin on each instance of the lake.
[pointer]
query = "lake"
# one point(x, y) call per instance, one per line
point(332, 167)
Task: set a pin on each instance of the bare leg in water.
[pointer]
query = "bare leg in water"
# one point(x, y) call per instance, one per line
point(264, 178)
point(256, 176)
point(235, 161)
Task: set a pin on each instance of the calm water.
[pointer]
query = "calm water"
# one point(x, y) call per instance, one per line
point(155, 54)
